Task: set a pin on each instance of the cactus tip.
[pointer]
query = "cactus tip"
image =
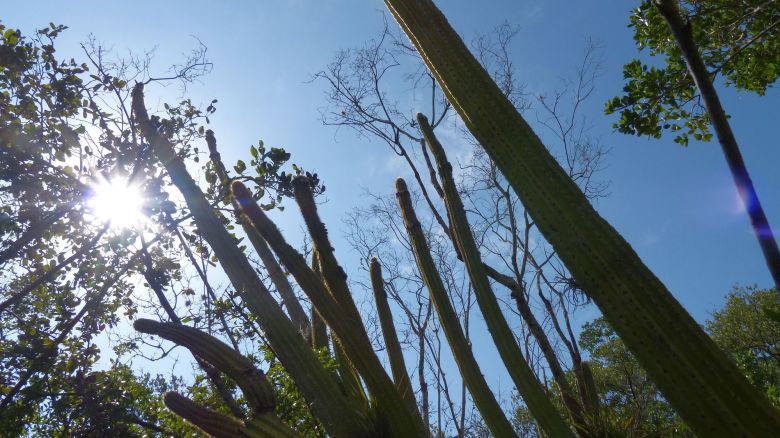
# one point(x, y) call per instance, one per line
point(301, 179)
point(144, 325)
point(375, 267)
point(240, 192)
point(302, 187)
point(172, 398)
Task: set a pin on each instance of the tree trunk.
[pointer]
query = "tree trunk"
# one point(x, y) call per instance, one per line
point(682, 32)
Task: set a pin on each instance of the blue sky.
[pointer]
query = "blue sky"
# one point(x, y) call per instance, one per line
point(677, 206)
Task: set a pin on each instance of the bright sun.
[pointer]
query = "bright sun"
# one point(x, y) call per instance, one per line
point(117, 202)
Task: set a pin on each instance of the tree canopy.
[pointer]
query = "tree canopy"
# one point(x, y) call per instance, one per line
point(739, 43)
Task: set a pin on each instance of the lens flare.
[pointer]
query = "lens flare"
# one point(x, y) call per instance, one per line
point(117, 202)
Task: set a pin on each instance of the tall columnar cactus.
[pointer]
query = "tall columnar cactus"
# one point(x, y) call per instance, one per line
point(589, 393)
point(521, 373)
point(394, 352)
point(318, 386)
point(483, 397)
point(332, 300)
point(283, 286)
point(699, 380)
point(348, 375)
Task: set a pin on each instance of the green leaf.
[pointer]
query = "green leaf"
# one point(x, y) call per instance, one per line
point(11, 37)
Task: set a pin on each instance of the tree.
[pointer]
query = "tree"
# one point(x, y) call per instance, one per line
point(67, 133)
point(699, 41)
point(348, 392)
point(745, 328)
point(113, 402)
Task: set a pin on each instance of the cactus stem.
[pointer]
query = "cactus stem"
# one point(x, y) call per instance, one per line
point(521, 373)
point(480, 391)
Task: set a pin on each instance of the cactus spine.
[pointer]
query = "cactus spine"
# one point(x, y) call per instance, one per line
point(697, 378)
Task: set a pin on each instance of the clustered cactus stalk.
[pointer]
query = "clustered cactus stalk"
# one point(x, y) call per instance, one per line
point(469, 369)
point(698, 379)
point(326, 399)
point(521, 373)
point(361, 398)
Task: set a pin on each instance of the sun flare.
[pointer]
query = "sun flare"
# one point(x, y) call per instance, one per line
point(117, 202)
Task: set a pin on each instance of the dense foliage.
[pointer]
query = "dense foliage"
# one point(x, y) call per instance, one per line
point(71, 280)
point(739, 42)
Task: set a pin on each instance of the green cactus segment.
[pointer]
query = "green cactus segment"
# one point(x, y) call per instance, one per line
point(331, 272)
point(700, 381)
point(290, 301)
point(319, 331)
point(521, 373)
point(349, 375)
point(257, 391)
point(268, 426)
point(394, 352)
point(214, 423)
point(469, 369)
point(590, 395)
point(317, 385)
point(397, 418)
point(223, 426)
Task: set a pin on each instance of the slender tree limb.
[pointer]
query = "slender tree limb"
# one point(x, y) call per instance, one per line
point(52, 273)
point(683, 34)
